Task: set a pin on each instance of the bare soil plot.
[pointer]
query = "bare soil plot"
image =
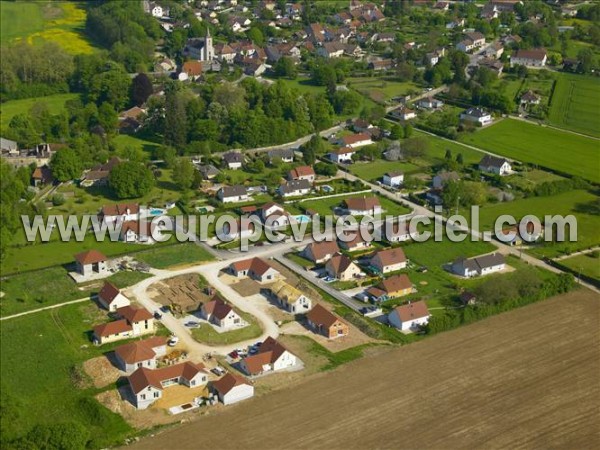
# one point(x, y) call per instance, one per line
point(101, 371)
point(524, 379)
point(182, 292)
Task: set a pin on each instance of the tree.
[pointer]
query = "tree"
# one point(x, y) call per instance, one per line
point(65, 436)
point(586, 60)
point(141, 89)
point(324, 75)
point(175, 120)
point(111, 85)
point(459, 159)
point(448, 155)
point(408, 130)
point(311, 149)
point(415, 147)
point(183, 173)
point(286, 67)
point(397, 132)
point(130, 180)
point(21, 130)
point(328, 170)
point(66, 165)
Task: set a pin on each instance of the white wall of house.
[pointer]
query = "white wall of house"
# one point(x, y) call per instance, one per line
point(146, 397)
point(118, 302)
point(395, 181)
point(408, 325)
point(285, 360)
point(237, 394)
point(143, 327)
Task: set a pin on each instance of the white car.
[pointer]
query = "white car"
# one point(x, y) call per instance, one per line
point(173, 341)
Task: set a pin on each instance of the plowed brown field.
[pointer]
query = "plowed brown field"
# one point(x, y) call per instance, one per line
point(529, 378)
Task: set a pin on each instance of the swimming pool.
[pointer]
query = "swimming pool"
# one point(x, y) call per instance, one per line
point(156, 212)
point(302, 218)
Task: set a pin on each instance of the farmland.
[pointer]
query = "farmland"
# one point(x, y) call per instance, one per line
point(538, 362)
point(55, 104)
point(60, 22)
point(575, 104)
point(540, 145)
point(381, 90)
point(588, 264)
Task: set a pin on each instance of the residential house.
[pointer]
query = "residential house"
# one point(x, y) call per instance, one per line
point(42, 176)
point(133, 322)
point(232, 389)
point(471, 41)
point(389, 260)
point(342, 268)
point(273, 215)
point(536, 57)
point(290, 298)
point(409, 316)
point(362, 206)
point(147, 385)
point(355, 140)
point(91, 262)
point(98, 175)
point(512, 235)
point(403, 113)
point(9, 147)
point(476, 115)
point(243, 228)
point(495, 50)
point(331, 50)
point(361, 125)
point(119, 213)
point(397, 231)
point(270, 357)
point(137, 231)
point(140, 319)
point(225, 53)
point(130, 357)
point(222, 315)
point(256, 268)
point(110, 297)
point(494, 65)
point(385, 37)
point(208, 171)
point(530, 98)
point(302, 173)
point(495, 165)
point(190, 70)
point(233, 194)
point(233, 160)
point(294, 188)
point(342, 155)
point(324, 322)
point(285, 155)
point(480, 265)
point(320, 252)
point(430, 103)
point(353, 241)
point(393, 179)
point(467, 298)
point(393, 287)
point(443, 177)
point(381, 65)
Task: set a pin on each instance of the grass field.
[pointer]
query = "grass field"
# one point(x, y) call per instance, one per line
point(586, 264)
point(175, 255)
point(51, 286)
point(555, 149)
point(575, 104)
point(207, 334)
point(55, 103)
point(537, 364)
point(381, 90)
point(60, 22)
point(41, 361)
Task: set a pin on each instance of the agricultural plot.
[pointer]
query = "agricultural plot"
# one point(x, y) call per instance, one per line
point(381, 90)
point(55, 104)
point(36, 22)
point(587, 264)
point(575, 103)
point(554, 149)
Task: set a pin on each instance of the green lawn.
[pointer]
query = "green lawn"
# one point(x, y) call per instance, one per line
point(36, 21)
point(55, 103)
point(586, 264)
point(174, 255)
point(575, 104)
point(123, 141)
point(582, 204)
point(374, 170)
point(207, 334)
point(555, 149)
point(51, 286)
point(41, 357)
point(381, 90)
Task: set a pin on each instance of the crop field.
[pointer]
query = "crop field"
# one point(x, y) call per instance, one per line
point(60, 22)
point(381, 90)
point(575, 104)
point(472, 387)
point(55, 104)
point(555, 149)
point(586, 264)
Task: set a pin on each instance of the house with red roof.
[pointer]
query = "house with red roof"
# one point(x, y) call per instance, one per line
point(130, 357)
point(410, 316)
point(270, 357)
point(232, 389)
point(132, 322)
point(91, 263)
point(355, 140)
point(221, 314)
point(110, 297)
point(256, 268)
point(302, 173)
point(323, 321)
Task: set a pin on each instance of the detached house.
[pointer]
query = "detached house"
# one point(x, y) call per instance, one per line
point(147, 384)
point(134, 355)
point(294, 188)
point(480, 265)
point(342, 155)
point(302, 173)
point(133, 322)
point(110, 297)
point(284, 155)
point(290, 298)
point(324, 322)
point(342, 268)
point(495, 165)
point(121, 212)
point(221, 314)
point(353, 241)
point(233, 160)
point(271, 357)
point(393, 179)
point(355, 140)
point(320, 252)
point(410, 316)
point(393, 287)
point(396, 231)
point(476, 115)
point(256, 268)
point(233, 194)
point(137, 231)
point(389, 260)
point(430, 103)
point(531, 58)
point(403, 113)
point(472, 41)
point(362, 206)
point(232, 389)
point(91, 263)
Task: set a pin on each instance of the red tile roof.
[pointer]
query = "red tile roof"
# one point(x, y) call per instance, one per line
point(228, 382)
point(412, 311)
point(144, 377)
point(268, 353)
point(108, 292)
point(110, 328)
point(133, 314)
point(322, 316)
point(90, 257)
point(138, 351)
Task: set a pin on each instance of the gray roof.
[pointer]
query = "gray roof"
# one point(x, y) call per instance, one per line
point(233, 157)
point(282, 153)
point(482, 262)
point(476, 112)
point(7, 144)
point(233, 191)
point(293, 186)
point(208, 170)
point(492, 161)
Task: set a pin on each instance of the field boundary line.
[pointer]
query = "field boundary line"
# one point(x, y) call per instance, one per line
point(45, 308)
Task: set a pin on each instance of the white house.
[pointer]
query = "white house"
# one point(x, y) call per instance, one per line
point(233, 160)
point(362, 206)
point(221, 314)
point(256, 268)
point(302, 173)
point(122, 212)
point(396, 231)
point(232, 389)
point(137, 231)
point(495, 165)
point(290, 298)
point(91, 263)
point(242, 229)
point(393, 179)
point(294, 188)
point(476, 115)
point(410, 316)
point(472, 41)
point(403, 113)
point(389, 260)
point(342, 155)
point(480, 265)
point(355, 140)
point(430, 103)
point(536, 57)
point(233, 194)
point(111, 298)
point(144, 353)
point(270, 357)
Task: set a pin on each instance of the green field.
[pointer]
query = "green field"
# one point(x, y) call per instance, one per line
point(48, 287)
point(586, 264)
point(123, 141)
point(554, 149)
point(207, 334)
point(55, 103)
point(36, 22)
point(42, 379)
point(380, 90)
point(575, 104)
point(174, 255)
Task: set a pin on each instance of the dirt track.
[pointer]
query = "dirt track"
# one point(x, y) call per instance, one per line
point(525, 379)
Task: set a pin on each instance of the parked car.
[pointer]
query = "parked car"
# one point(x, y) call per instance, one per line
point(234, 355)
point(328, 279)
point(157, 315)
point(173, 341)
point(192, 324)
point(219, 371)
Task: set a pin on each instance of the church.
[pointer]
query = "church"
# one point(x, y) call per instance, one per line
point(201, 49)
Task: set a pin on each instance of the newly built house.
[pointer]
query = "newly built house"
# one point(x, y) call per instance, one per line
point(409, 316)
point(324, 322)
point(270, 357)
